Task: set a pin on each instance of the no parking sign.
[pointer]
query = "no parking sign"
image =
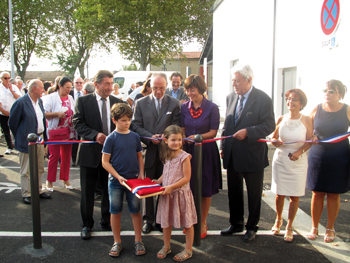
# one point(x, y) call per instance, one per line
point(330, 16)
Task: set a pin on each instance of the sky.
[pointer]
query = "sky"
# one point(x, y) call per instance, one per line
point(98, 60)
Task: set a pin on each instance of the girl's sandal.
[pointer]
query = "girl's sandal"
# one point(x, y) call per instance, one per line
point(163, 252)
point(139, 248)
point(182, 256)
point(276, 230)
point(116, 249)
point(328, 238)
point(311, 235)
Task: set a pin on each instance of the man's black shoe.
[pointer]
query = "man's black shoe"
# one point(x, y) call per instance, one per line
point(85, 232)
point(45, 196)
point(159, 228)
point(249, 236)
point(106, 227)
point(146, 228)
point(27, 200)
point(231, 230)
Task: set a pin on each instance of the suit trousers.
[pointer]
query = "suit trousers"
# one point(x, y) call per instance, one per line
point(24, 170)
point(88, 179)
point(6, 130)
point(254, 183)
point(149, 209)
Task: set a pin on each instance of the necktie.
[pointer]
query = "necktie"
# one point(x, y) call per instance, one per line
point(104, 117)
point(78, 94)
point(158, 106)
point(239, 110)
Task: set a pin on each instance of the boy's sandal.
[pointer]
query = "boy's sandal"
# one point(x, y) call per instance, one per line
point(328, 238)
point(182, 256)
point(311, 235)
point(288, 238)
point(116, 249)
point(163, 252)
point(139, 248)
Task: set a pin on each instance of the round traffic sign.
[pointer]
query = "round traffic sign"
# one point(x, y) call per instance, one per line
point(330, 16)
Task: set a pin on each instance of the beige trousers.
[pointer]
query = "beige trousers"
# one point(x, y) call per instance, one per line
point(24, 171)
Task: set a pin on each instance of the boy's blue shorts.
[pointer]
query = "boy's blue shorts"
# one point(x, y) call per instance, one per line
point(116, 196)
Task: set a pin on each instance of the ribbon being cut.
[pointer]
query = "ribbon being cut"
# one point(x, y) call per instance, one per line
point(143, 188)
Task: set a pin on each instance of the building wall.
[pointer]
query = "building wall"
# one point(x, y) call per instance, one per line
point(179, 65)
point(243, 30)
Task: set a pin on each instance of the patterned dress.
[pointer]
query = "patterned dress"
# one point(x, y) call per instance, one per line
point(177, 208)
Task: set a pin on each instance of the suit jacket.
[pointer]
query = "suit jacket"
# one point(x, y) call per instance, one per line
point(72, 93)
point(146, 121)
point(257, 117)
point(87, 123)
point(23, 121)
point(181, 94)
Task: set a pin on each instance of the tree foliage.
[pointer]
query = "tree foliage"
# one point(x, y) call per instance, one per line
point(77, 35)
point(4, 28)
point(148, 30)
point(31, 24)
point(131, 67)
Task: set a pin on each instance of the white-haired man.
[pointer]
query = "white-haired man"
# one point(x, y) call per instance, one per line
point(8, 95)
point(27, 116)
point(249, 117)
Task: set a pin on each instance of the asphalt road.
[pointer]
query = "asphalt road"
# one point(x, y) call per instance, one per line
point(60, 225)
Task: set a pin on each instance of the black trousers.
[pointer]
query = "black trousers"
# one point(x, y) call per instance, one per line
point(6, 130)
point(75, 147)
point(149, 209)
point(88, 179)
point(254, 183)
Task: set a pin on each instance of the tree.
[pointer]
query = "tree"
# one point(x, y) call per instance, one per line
point(4, 29)
point(131, 67)
point(77, 36)
point(148, 30)
point(31, 24)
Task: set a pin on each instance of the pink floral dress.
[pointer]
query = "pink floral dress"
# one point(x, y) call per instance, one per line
point(177, 208)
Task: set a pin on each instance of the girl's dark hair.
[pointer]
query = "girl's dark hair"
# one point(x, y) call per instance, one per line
point(165, 152)
point(63, 81)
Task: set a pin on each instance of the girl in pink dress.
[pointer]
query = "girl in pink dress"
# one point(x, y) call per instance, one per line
point(176, 205)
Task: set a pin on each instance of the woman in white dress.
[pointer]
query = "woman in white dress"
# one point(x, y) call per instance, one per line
point(290, 162)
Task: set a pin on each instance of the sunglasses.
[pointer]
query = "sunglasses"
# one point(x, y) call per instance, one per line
point(329, 91)
point(5, 78)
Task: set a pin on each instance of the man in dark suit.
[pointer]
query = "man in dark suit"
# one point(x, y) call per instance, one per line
point(76, 93)
point(27, 116)
point(92, 121)
point(176, 91)
point(152, 115)
point(249, 117)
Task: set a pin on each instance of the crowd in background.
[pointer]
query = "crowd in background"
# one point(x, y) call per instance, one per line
point(65, 111)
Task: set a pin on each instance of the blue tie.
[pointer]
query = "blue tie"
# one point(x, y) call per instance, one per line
point(239, 110)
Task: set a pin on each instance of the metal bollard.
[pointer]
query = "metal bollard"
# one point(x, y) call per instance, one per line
point(197, 191)
point(34, 188)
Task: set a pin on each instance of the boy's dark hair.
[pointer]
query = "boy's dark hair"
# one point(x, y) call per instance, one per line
point(119, 110)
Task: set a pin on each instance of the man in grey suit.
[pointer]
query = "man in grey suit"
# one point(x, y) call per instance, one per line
point(152, 115)
point(249, 117)
point(176, 91)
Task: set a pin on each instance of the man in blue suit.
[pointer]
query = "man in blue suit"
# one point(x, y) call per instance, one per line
point(27, 116)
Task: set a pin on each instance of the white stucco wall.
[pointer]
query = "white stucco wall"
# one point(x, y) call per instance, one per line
point(243, 30)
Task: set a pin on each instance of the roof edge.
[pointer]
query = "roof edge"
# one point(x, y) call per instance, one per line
point(215, 5)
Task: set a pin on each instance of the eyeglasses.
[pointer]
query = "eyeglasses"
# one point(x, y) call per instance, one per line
point(155, 88)
point(6, 77)
point(292, 99)
point(78, 82)
point(330, 91)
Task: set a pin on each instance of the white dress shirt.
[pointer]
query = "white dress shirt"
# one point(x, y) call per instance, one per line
point(108, 105)
point(39, 115)
point(6, 97)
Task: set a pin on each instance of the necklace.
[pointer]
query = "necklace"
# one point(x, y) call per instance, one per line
point(196, 113)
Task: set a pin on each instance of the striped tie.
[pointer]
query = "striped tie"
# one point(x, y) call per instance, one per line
point(239, 110)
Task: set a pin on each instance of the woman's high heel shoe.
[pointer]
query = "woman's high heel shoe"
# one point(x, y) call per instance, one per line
point(276, 230)
point(311, 235)
point(328, 238)
point(288, 238)
point(203, 235)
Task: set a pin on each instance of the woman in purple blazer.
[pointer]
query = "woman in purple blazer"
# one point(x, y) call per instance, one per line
point(201, 116)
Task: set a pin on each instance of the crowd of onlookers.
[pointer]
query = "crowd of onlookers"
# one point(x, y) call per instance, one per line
point(154, 120)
